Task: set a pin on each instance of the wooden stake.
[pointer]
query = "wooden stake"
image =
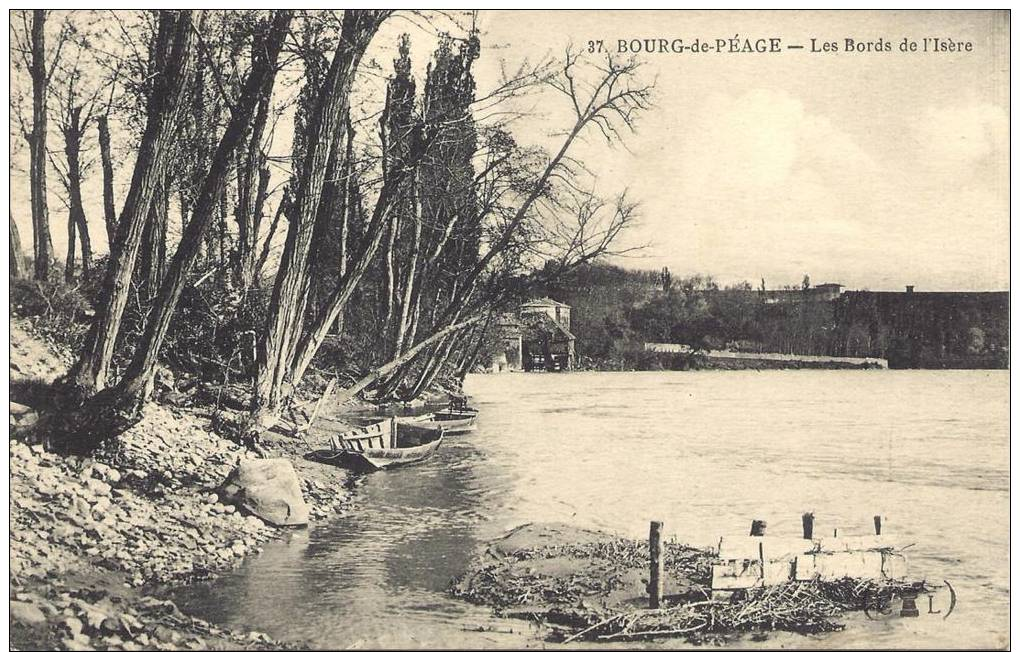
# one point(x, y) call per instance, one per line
point(758, 528)
point(315, 411)
point(878, 524)
point(808, 521)
point(656, 555)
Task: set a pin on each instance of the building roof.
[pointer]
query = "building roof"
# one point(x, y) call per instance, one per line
point(541, 322)
point(507, 319)
point(543, 303)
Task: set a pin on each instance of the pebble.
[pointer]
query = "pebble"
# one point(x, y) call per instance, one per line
point(74, 626)
point(27, 613)
point(77, 643)
point(101, 507)
point(82, 506)
point(97, 487)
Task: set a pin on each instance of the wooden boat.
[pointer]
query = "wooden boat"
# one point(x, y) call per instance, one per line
point(383, 445)
point(452, 422)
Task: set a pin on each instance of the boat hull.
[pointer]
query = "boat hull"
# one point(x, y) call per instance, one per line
point(451, 425)
point(377, 446)
point(385, 458)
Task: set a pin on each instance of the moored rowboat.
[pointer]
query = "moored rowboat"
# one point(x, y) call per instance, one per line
point(383, 445)
point(451, 421)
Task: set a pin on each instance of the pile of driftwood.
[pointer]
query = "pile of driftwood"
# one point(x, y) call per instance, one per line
point(512, 576)
point(594, 587)
point(806, 608)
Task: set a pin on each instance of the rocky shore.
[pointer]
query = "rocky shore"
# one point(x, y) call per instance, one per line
point(91, 538)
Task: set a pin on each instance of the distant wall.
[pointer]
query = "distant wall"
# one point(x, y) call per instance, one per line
point(924, 329)
point(789, 360)
point(740, 360)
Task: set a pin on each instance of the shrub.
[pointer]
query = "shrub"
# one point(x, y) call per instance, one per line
point(59, 311)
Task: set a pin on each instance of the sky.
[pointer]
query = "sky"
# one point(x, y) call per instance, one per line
point(874, 170)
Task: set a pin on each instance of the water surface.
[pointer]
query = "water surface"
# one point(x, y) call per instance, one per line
point(705, 452)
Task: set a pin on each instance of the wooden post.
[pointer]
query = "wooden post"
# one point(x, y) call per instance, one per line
point(758, 528)
point(878, 524)
point(393, 432)
point(835, 533)
point(909, 608)
point(656, 555)
point(808, 522)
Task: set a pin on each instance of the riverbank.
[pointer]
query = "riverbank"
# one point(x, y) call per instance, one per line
point(738, 360)
point(681, 357)
point(92, 538)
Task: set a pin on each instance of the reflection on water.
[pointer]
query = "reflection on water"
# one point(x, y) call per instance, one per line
point(706, 452)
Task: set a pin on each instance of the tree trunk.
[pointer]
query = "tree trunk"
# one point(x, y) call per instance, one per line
point(17, 255)
point(431, 368)
point(252, 184)
point(402, 359)
point(410, 280)
point(72, 148)
point(72, 229)
point(337, 301)
point(471, 358)
point(173, 63)
point(391, 289)
point(109, 211)
point(273, 362)
point(348, 199)
point(259, 84)
point(152, 256)
point(43, 245)
point(267, 244)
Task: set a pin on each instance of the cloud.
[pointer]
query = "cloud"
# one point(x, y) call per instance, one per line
point(769, 185)
point(954, 138)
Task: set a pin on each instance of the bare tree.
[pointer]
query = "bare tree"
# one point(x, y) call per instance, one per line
point(173, 59)
point(609, 100)
point(325, 131)
point(116, 406)
point(109, 208)
point(74, 117)
point(30, 42)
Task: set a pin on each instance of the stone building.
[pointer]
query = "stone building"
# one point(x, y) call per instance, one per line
point(560, 312)
point(537, 338)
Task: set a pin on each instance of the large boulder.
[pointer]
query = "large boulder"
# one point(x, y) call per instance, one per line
point(22, 416)
point(268, 489)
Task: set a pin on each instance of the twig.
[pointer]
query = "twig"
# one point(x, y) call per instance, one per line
point(595, 626)
point(652, 632)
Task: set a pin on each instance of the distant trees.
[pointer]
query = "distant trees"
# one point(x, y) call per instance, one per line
point(76, 112)
point(615, 311)
point(614, 306)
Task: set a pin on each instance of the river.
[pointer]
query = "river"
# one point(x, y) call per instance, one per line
point(705, 452)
